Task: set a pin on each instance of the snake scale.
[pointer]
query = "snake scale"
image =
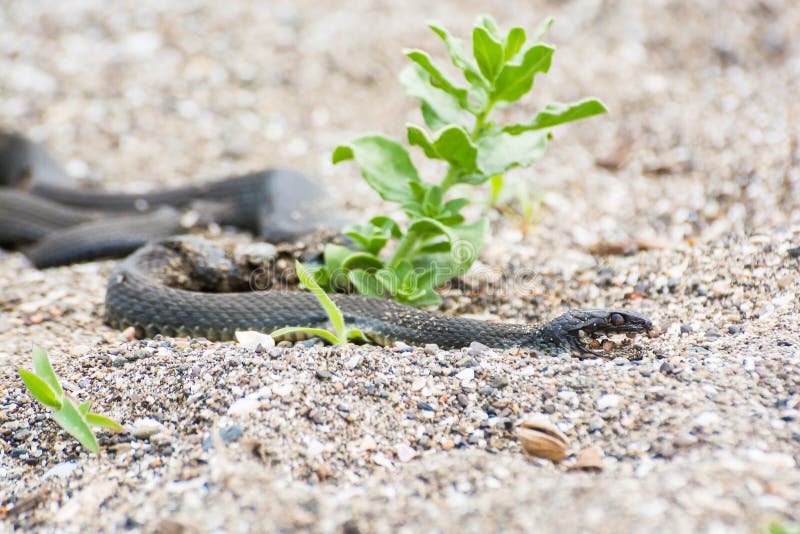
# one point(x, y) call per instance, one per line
point(60, 223)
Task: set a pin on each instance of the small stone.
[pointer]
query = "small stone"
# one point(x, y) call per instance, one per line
point(596, 423)
point(476, 348)
point(354, 361)
point(79, 350)
point(609, 400)
point(251, 340)
point(145, 427)
point(382, 460)
point(425, 406)
point(467, 375)
point(243, 406)
point(499, 381)
point(323, 374)
point(231, 433)
point(61, 470)
point(431, 349)
point(367, 443)
point(589, 459)
point(419, 383)
point(129, 333)
point(467, 361)
point(405, 453)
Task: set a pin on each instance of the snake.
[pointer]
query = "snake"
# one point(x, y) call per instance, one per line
point(188, 286)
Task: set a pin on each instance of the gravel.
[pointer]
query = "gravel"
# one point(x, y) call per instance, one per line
point(681, 204)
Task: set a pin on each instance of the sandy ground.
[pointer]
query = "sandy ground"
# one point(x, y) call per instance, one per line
point(699, 156)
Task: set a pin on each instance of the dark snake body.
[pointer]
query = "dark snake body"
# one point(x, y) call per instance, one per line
point(140, 294)
point(68, 224)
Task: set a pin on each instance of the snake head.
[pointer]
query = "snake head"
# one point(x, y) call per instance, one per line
point(572, 329)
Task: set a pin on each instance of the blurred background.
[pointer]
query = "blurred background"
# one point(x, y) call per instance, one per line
point(701, 140)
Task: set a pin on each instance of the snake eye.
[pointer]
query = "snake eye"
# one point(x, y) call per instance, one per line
point(617, 319)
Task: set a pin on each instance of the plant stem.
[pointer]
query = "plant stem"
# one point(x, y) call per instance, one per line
point(450, 179)
point(480, 120)
point(404, 248)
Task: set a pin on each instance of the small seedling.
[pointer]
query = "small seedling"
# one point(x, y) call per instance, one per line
point(340, 335)
point(437, 243)
point(73, 417)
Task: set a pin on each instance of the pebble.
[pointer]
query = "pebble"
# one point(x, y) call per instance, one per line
point(431, 349)
point(476, 348)
point(60, 470)
point(467, 375)
point(323, 374)
point(231, 433)
point(145, 427)
point(79, 350)
point(354, 361)
point(252, 340)
point(243, 407)
point(405, 453)
point(609, 400)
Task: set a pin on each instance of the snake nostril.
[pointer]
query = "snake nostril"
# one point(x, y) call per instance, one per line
point(617, 319)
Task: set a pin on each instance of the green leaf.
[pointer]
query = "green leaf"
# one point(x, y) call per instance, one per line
point(367, 284)
point(419, 137)
point(432, 204)
point(513, 43)
point(426, 226)
point(559, 113)
point(385, 165)
point(372, 237)
point(40, 389)
point(438, 79)
point(458, 55)
point(488, 52)
point(41, 365)
point(429, 297)
point(496, 188)
point(95, 419)
point(542, 29)
point(466, 243)
point(354, 334)
point(387, 224)
point(419, 189)
point(438, 108)
point(435, 247)
point(84, 407)
point(335, 272)
point(73, 421)
point(334, 313)
point(516, 78)
point(498, 153)
point(452, 144)
point(318, 332)
point(487, 23)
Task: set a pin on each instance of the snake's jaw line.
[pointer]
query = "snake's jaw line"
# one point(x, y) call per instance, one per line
point(573, 329)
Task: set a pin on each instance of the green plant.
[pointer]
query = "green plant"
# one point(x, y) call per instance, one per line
point(341, 334)
point(437, 243)
point(72, 416)
point(780, 527)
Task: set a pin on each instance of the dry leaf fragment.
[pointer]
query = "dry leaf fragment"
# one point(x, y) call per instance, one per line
point(540, 438)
